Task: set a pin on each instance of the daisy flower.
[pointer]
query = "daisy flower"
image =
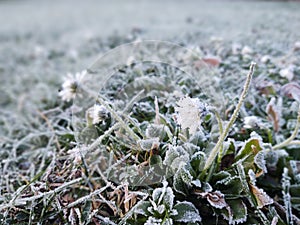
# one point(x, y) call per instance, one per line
point(70, 85)
point(99, 113)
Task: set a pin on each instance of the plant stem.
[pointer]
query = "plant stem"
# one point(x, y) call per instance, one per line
point(290, 140)
point(224, 134)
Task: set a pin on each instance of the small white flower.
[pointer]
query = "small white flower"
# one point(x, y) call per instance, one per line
point(251, 122)
point(189, 112)
point(70, 85)
point(99, 113)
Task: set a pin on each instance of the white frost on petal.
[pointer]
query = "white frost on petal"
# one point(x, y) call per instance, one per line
point(70, 85)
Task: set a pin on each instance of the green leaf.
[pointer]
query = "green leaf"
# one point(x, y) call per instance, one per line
point(248, 153)
point(237, 212)
point(187, 212)
point(164, 196)
point(178, 184)
point(198, 161)
point(142, 208)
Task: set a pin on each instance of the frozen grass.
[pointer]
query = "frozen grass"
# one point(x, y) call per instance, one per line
point(41, 181)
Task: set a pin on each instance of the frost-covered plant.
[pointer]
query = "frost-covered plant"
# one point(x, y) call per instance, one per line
point(161, 209)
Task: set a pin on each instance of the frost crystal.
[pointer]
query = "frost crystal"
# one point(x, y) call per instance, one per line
point(189, 112)
point(153, 221)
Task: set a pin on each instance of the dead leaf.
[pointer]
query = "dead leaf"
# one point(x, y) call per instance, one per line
point(261, 197)
point(216, 199)
point(291, 90)
point(273, 114)
point(213, 61)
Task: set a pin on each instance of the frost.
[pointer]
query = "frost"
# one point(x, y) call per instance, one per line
point(197, 183)
point(176, 157)
point(189, 113)
point(295, 167)
point(236, 212)
point(252, 177)
point(164, 196)
point(261, 197)
point(215, 199)
point(153, 221)
point(156, 131)
point(142, 208)
point(251, 122)
point(187, 213)
point(287, 73)
point(259, 160)
point(286, 183)
point(168, 221)
point(148, 144)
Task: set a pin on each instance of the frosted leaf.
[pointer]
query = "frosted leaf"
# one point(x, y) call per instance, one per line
point(215, 199)
point(178, 185)
point(156, 131)
point(207, 187)
point(168, 221)
point(198, 161)
point(176, 157)
point(197, 183)
point(189, 113)
point(148, 144)
point(262, 199)
point(224, 177)
point(271, 158)
point(187, 213)
point(259, 160)
point(186, 175)
point(252, 176)
point(236, 212)
point(153, 221)
point(161, 209)
point(291, 90)
point(273, 112)
point(164, 196)
point(142, 208)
